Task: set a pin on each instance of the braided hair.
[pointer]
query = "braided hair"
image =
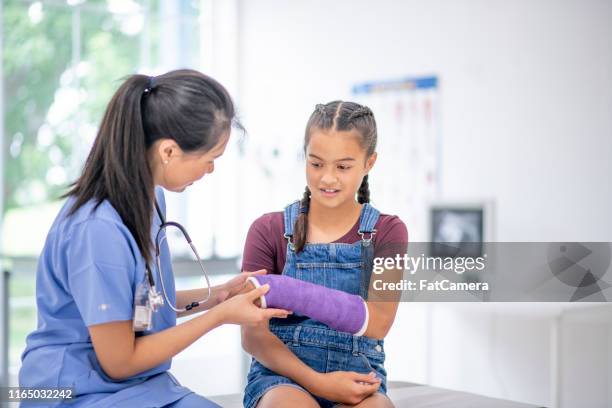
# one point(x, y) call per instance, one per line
point(338, 116)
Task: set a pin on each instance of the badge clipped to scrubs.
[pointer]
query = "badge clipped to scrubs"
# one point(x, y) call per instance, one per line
point(146, 301)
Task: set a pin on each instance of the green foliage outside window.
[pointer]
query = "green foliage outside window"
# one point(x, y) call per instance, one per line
point(61, 65)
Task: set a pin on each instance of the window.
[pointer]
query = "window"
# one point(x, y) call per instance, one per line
point(62, 61)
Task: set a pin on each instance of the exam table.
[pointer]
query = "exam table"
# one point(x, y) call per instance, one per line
point(409, 395)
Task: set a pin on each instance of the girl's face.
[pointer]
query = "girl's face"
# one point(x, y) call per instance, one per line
point(335, 166)
point(175, 169)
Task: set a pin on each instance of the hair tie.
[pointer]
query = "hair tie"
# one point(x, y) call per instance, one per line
point(321, 109)
point(304, 209)
point(150, 85)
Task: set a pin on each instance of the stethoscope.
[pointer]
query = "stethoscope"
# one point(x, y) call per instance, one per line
point(151, 300)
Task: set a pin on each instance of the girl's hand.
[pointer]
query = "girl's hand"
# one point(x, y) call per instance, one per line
point(241, 309)
point(235, 285)
point(347, 387)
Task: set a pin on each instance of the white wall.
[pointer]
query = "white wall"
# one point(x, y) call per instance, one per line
point(526, 91)
point(526, 94)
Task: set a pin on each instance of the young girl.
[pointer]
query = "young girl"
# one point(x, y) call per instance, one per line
point(163, 131)
point(324, 239)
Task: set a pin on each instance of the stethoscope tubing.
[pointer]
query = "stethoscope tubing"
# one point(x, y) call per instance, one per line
point(158, 244)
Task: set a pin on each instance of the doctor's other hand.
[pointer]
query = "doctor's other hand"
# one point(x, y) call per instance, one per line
point(241, 309)
point(236, 285)
point(347, 387)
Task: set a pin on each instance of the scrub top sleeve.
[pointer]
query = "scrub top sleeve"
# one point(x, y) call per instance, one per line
point(101, 271)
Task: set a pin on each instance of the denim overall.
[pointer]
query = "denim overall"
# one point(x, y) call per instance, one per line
point(345, 267)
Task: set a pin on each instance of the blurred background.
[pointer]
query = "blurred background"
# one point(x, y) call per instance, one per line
point(501, 110)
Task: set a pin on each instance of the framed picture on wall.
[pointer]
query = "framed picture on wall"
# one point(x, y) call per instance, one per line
point(460, 228)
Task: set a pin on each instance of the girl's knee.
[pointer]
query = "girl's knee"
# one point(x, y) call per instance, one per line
point(287, 396)
point(376, 400)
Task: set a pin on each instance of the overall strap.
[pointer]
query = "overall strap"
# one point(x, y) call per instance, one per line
point(290, 215)
point(367, 220)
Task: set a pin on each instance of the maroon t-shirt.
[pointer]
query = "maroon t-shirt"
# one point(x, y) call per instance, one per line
point(266, 246)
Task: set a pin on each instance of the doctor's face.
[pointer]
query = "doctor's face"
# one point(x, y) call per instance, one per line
point(179, 169)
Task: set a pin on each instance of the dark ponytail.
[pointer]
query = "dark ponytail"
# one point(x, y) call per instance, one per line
point(187, 106)
point(340, 116)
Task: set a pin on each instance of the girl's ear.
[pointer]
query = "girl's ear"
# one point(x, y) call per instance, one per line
point(370, 162)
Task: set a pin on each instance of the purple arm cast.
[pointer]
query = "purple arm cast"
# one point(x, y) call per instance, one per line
point(337, 309)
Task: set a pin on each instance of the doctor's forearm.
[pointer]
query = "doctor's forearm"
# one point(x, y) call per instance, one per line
point(186, 297)
point(122, 355)
point(152, 350)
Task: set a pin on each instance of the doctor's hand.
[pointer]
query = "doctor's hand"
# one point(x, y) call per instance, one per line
point(241, 309)
point(347, 387)
point(236, 285)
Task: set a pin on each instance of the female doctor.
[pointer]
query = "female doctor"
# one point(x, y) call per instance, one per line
point(105, 268)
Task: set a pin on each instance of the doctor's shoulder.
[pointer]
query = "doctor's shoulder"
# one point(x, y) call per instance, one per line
point(95, 224)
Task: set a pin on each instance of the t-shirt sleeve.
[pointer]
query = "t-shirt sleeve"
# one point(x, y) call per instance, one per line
point(259, 252)
point(101, 271)
point(392, 238)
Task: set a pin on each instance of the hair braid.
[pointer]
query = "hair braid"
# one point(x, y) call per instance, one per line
point(300, 229)
point(362, 111)
point(363, 194)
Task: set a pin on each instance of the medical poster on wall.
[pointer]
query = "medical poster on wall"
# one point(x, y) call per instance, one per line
point(407, 174)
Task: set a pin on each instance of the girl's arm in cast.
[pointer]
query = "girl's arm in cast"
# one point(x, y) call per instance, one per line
point(341, 386)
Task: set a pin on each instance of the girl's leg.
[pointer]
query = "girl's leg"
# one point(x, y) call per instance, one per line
point(376, 400)
point(287, 396)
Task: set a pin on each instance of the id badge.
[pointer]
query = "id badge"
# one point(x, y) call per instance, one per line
point(143, 311)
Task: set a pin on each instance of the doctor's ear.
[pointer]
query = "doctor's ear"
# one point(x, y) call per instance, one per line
point(167, 148)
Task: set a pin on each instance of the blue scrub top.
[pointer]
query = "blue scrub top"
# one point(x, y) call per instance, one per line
point(87, 275)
